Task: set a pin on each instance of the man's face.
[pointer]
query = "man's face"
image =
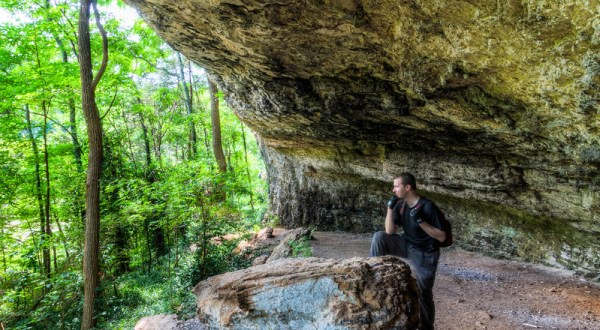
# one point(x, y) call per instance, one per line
point(399, 188)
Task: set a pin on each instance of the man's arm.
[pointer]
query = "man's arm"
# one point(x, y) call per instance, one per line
point(431, 213)
point(390, 226)
point(432, 231)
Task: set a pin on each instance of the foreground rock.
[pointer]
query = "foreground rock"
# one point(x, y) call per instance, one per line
point(493, 105)
point(374, 293)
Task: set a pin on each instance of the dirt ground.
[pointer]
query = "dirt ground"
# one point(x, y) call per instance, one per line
point(473, 291)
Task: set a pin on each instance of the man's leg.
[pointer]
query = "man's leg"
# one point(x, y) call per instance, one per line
point(425, 267)
point(388, 244)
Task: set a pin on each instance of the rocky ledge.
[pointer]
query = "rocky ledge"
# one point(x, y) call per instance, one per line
point(494, 106)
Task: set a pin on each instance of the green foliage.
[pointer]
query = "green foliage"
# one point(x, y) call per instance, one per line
point(301, 247)
point(164, 221)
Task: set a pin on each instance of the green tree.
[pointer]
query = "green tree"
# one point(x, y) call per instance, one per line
point(160, 200)
point(94, 170)
point(216, 127)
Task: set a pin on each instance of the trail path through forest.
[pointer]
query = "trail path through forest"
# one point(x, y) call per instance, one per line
point(473, 291)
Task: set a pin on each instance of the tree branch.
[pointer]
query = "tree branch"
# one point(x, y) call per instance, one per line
point(104, 47)
point(152, 64)
point(59, 124)
point(111, 103)
point(73, 47)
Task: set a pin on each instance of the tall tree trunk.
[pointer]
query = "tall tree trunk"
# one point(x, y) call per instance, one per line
point(216, 127)
point(94, 170)
point(190, 110)
point(47, 230)
point(38, 180)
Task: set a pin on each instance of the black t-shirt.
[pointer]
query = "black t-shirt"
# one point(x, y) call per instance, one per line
point(416, 236)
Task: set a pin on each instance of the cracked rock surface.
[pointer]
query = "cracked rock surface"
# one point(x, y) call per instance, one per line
point(357, 293)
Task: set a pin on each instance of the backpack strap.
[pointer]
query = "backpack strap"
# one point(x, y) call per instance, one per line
point(417, 207)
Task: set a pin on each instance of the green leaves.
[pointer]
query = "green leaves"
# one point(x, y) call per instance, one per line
point(159, 198)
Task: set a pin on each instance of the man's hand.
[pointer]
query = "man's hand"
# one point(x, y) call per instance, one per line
point(392, 201)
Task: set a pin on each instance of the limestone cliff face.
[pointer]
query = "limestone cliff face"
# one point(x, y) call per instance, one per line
point(493, 105)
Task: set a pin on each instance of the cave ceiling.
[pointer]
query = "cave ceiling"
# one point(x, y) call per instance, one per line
point(494, 105)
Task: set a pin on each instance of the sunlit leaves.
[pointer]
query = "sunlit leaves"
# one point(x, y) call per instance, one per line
point(155, 190)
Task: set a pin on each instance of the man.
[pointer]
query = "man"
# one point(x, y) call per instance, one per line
point(420, 220)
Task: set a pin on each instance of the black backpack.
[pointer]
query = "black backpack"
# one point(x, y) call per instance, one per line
point(446, 225)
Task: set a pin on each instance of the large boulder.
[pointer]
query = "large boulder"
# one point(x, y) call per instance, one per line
point(493, 105)
point(312, 293)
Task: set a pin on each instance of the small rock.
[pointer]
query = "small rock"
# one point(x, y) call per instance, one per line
point(283, 249)
point(483, 315)
point(157, 322)
point(265, 233)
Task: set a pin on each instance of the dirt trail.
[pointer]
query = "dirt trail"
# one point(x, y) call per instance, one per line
point(478, 292)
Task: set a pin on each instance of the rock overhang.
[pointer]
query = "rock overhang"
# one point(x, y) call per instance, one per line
point(493, 106)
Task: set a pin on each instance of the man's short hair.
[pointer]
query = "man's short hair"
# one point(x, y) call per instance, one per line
point(408, 180)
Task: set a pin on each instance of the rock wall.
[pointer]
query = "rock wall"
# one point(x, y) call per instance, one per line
point(493, 105)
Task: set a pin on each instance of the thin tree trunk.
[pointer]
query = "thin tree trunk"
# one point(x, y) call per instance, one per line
point(74, 139)
point(216, 127)
point(94, 170)
point(62, 236)
point(206, 145)
point(54, 258)
point(247, 167)
point(190, 110)
point(44, 217)
point(32, 234)
point(4, 253)
point(38, 180)
point(47, 230)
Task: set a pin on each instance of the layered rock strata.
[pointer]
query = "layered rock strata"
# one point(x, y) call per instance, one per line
point(312, 293)
point(494, 106)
